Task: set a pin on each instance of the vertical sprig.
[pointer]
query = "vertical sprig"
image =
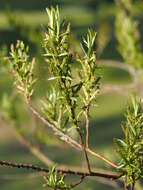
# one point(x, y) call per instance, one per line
point(89, 78)
point(23, 68)
point(55, 180)
point(131, 148)
point(128, 35)
point(59, 59)
point(69, 99)
point(71, 93)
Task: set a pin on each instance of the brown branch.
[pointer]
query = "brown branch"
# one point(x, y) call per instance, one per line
point(134, 86)
point(101, 157)
point(62, 171)
point(87, 126)
point(70, 141)
point(32, 148)
point(79, 182)
point(84, 150)
point(118, 65)
point(120, 89)
point(123, 90)
point(41, 156)
point(56, 130)
point(35, 150)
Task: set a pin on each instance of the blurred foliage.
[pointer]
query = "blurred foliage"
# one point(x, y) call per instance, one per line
point(56, 181)
point(35, 4)
point(128, 35)
point(28, 26)
point(131, 148)
point(22, 69)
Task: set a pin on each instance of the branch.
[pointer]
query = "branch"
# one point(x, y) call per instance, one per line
point(121, 89)
point(62, 171)
point(70, 141)
point(41, 156)
point(35, 150)
point(135, 85)
point(56, 130)
point(79, 182)
point(84, 150)
point(32, 148)
point(101, 158)
point(124, 90)
point(87, 126)
point(118, 65)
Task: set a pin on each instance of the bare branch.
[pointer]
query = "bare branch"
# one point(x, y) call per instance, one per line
point(70, 141)
point(87, 126)
point(35, 150)
point(111, 176)
point(101, 158)
point(32, 148)
point(125, 89)
point(79, 182)
point(118, 65)
point(56, 130)
point(84, 150)
point(120, 89)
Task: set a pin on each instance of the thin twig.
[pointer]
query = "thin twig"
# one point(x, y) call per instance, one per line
point(136, 86)
point(56, 130)
point(42, 157)
point(87, 126)
point(110, 88)
point(70, 141)
point(62, 171)
point(84, 150)
point(32, 148)
point(118, 65)
point(79, 182)
point(35, 150)
point(101, 158)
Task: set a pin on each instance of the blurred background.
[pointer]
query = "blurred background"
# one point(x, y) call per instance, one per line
point(25, 20)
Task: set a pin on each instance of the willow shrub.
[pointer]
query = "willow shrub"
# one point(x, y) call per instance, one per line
point(71, 97)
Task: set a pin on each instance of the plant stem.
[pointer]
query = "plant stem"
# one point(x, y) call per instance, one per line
point(87, 126)
point(84, 150)
point(62, 171)
point(67, 139)
point(119, 65)
point(31, 147)
point(102, 158)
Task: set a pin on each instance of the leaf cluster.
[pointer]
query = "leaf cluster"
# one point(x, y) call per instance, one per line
point(56, 181)
point(75, 93)
point(22, 68)
point(131, 148)
point(127, 34)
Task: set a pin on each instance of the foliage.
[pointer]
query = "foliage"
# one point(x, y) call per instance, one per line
point(71, 96)
point(60, 60)
point(56, 181)
point(131, 148)
point(68, 100)
point(23, 69)
point(128, 35)
point(8, 109)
